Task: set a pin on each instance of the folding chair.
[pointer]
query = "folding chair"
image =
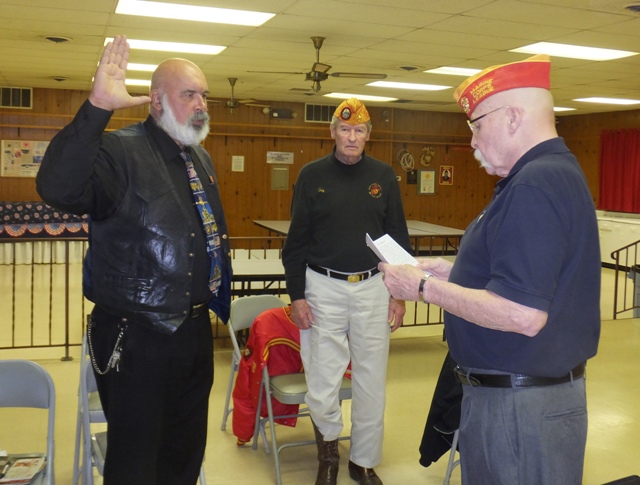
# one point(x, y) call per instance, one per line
point(452, 459)
point(273, 344)
point(286, 389)
point(25, 384)
point(86, 442)
point(244, 311)
point(93, 444)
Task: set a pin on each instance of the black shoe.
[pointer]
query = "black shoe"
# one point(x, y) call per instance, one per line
point(364, 476)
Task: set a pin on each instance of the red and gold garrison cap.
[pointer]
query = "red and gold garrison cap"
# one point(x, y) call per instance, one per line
point(352, 111)
point(530, 73)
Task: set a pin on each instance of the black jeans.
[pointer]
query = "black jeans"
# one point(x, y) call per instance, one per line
point(157, 403)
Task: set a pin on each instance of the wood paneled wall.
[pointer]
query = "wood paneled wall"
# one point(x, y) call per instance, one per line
point(251, 133)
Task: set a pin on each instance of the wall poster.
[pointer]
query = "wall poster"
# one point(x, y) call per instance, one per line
point(446, 174)
point(21, 158)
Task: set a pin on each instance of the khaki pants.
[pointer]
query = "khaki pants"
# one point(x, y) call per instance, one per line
point(350, 325)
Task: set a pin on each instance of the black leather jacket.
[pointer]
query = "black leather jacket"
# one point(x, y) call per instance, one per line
point(140, 264)
point(151, 283)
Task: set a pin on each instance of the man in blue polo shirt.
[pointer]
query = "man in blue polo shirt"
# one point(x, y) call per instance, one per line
point(522, 299)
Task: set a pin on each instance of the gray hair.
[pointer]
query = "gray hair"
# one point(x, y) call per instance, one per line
point(335, 120)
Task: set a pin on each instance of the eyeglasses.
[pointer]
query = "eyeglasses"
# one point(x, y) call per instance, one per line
point(473, 128)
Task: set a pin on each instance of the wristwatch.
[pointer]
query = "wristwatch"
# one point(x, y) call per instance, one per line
point(421, 287)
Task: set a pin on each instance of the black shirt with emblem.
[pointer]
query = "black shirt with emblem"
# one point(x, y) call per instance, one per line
point(334, 206)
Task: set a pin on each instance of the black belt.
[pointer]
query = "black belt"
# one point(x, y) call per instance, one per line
point(199, 309)
point(516, 380)
point(351, 278)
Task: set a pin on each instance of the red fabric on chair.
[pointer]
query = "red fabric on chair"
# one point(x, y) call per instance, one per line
point(274, 340)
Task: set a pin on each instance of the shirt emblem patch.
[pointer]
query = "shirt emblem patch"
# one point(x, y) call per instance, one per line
point(375, 190)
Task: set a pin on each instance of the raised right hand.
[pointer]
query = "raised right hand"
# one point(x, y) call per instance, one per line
point(109, 91)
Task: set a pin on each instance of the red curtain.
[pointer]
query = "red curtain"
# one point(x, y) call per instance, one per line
point(620, 170)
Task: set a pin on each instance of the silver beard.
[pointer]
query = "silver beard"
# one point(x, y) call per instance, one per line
point(186, 134)
point(483, 161)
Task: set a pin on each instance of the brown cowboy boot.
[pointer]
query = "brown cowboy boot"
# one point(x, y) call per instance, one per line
point(328, 459)
point(362, 475)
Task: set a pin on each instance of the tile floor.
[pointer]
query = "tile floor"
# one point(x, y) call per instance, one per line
point(613, 448)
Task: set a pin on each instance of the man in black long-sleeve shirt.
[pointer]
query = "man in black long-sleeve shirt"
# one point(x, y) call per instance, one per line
point(339, 301)
point(149, 269)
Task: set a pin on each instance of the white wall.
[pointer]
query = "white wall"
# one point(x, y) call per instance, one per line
point(616, 231)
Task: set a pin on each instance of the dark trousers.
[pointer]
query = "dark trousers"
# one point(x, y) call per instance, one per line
point(157, 403)
point(525, 436)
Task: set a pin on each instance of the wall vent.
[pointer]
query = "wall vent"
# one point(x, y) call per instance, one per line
point(11, 97)
point(318, 113)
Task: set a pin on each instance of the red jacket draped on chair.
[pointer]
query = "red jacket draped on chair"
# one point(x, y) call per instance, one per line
point(274, 340)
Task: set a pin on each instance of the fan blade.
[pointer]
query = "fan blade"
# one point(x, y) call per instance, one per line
point(358, 75)
point(320, 67)
point(277, 72)
point(253, 102)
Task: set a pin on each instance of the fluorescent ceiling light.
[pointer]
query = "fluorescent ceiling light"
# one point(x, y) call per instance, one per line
point(137, 82)
point(132, 66)
point(361, 97)
point(609, 100)
point(152, 45)
point(453, 71)
point(560, 108)
point(573, 51)
point(176, 11)
point(418, 87)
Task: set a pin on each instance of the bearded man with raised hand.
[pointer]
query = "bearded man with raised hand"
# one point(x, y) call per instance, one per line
point(157, 263)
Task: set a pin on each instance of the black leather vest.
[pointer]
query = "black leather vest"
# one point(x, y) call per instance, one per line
point(140, 259)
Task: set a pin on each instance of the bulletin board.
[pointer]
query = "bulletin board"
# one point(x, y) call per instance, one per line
point(21, 158)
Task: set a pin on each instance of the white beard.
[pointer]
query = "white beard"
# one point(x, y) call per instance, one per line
point(186, 134)
point(483, 161)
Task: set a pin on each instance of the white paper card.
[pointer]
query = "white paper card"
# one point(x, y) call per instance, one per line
point(389, 251)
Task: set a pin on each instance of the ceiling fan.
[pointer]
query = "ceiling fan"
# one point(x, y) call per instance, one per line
point(320, 72)
point(233, 103)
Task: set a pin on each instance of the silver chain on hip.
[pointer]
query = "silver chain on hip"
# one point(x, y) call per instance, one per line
point(114, 360)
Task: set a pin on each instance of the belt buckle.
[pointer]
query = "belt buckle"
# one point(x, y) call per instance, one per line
point(355, 278)
point(196, 310)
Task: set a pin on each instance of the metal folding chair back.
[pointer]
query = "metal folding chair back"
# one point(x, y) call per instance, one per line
point(25, 384)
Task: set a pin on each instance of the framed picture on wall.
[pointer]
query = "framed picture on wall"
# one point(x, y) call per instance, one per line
point(427, 182)
point(446, 175)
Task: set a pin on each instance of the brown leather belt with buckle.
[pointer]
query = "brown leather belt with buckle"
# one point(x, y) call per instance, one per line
point(199, 309)
point(351, 278)
point(516, 380)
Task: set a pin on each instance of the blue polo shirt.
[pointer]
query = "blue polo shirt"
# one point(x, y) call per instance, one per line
point(536, 244)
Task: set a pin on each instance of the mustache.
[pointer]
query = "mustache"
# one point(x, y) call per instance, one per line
point(204, 116)
point(480, 158)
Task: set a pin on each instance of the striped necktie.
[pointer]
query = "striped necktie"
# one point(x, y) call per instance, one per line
point(208, 223)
